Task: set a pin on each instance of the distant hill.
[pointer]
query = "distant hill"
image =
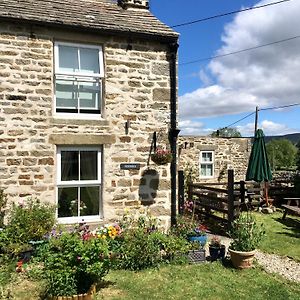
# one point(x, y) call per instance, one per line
point(293, 137)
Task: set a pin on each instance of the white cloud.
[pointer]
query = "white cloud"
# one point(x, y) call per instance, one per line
point(265, 77)
point(205, 78)
point(189, 127)
point(269, 128)
point(216, 100)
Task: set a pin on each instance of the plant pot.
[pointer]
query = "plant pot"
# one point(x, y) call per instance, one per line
point(216, 252)
point(241, 259)
point(85, 296)
point(202, 239)
point(222, 252)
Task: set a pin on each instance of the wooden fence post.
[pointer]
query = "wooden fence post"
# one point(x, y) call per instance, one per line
point(242, 191)
point(180, 192)
point(230, 196)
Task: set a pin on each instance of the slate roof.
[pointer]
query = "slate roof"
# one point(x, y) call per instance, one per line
point(93, 15)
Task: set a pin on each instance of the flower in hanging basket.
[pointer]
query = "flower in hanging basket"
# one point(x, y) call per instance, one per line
point(161, 156)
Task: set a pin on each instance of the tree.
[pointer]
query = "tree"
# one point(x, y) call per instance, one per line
point(226, 132)
point(297, 177)
point(298, 156)
point(281, 153)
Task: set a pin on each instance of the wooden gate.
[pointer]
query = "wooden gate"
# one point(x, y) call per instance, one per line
point(215, 200)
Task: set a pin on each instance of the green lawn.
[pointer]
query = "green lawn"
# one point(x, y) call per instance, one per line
point(204, 281)
point(282, 236)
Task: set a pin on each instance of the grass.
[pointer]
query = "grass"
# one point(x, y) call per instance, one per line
point(282, 236)
point(204, 281)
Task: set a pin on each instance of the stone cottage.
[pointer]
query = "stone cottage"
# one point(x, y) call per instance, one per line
point(211, 157)
point(84, 84)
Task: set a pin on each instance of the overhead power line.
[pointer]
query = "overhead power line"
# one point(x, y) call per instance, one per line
point(240, 51)
point(279, 107)
point(262, 109)
point(228, 13)
point(240, 120)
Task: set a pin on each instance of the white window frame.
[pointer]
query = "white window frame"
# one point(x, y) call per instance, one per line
point(79, 76)
point(212, 163)
point(79, 183)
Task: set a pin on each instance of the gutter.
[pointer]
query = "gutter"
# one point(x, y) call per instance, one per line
point(174, 131)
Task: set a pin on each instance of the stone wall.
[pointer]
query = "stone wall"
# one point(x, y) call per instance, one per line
point(136, 88)
point(229, 153)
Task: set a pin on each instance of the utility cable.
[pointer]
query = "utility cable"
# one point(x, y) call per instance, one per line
point(278, 107)
point(240, 51)
point(262, 109)
point(227, 14)
point(240, 120)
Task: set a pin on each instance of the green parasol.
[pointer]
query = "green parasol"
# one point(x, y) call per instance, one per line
point(258, 167)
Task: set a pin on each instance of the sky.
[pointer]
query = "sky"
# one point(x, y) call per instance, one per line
point(215, 93)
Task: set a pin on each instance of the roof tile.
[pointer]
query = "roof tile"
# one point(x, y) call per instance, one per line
point(102, 15)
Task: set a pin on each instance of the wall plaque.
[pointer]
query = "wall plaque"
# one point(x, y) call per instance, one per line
point(130, 166)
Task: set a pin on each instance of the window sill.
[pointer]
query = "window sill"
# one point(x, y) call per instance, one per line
point(61, 120)
point(76, 220)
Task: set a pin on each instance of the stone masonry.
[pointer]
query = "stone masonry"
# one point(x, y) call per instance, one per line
point(229, 153)
point(137, 88)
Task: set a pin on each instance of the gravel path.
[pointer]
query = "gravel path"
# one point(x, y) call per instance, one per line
point(272, 263)
point(284, 266)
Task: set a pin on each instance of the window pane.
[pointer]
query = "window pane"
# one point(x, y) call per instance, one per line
point(88, 165)
point(89, 200)
point(67, 202)
point(66, 93)
point(69, 165)
point(206, 156)
point(207, 170)
point(68, 59)
point(89, 95)
point(89, 60)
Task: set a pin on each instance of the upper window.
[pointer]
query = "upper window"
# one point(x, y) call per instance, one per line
point(206, 164)
point(78, 79)
point(78, 183)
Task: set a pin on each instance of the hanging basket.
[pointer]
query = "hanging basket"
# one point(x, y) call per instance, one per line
point(161, 157)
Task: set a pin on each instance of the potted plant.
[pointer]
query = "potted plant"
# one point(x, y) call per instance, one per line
point(246, 235)
point(161, 156)
point(195, 233)
point(216, 248)
point(198, 234)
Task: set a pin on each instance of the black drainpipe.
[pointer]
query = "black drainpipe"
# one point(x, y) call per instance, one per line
point(174, 131)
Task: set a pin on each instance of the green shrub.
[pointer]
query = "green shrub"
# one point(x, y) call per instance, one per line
point(3, 202)
point(138, 250)
point(72, 259)
point(27, 223)
point(172, 248)
point(61, 282)
point(141, 245)
point(246, 233)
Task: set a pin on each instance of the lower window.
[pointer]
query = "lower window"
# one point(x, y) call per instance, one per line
point(78, 183)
